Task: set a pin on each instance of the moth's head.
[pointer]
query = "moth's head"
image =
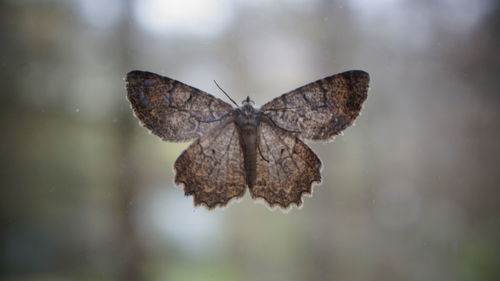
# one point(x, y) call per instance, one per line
point(248, 101)
point(247, 107)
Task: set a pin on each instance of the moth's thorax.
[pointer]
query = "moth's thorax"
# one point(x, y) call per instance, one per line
point(247, 116)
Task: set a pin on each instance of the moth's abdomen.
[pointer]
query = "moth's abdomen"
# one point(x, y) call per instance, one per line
point(248, 135)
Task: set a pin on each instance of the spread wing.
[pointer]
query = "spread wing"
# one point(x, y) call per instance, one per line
point(212, 168)
point(173, 110)
point(321, 109)
point(286, 167)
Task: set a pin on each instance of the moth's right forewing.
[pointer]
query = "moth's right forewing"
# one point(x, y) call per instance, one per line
point(171, 109)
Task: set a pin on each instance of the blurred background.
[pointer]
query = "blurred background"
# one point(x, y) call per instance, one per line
point(412, 192)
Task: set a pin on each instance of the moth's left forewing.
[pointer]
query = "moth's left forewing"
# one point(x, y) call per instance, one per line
point(349, 91)
point(322, 109)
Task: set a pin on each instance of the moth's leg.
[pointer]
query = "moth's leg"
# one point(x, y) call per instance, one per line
point(258, 146)
point(268, 120)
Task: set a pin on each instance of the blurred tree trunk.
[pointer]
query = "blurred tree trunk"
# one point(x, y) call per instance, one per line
point(127, 245)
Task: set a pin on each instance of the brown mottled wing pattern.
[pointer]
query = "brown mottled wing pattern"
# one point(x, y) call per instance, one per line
point(212, 168)
point(321, 109)
point(286, 167)
point(173, 110)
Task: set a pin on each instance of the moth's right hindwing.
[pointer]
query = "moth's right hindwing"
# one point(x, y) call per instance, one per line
point(212, 168)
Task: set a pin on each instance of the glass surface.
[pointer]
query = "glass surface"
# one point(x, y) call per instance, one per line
point(409, 193)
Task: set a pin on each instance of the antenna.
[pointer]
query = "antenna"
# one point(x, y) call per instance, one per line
point(225, 93)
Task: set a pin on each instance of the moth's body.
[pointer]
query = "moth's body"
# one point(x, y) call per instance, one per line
point(247, 119)
point(235, 149)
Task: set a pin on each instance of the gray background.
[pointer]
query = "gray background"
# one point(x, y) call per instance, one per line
point(409, 193)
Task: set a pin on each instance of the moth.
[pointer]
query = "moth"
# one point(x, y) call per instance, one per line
point(246, 146)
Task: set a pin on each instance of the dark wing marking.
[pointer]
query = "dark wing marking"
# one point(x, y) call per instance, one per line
point(212, 168)
point(286, 167)
point(321, 109)
point(173, 110)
